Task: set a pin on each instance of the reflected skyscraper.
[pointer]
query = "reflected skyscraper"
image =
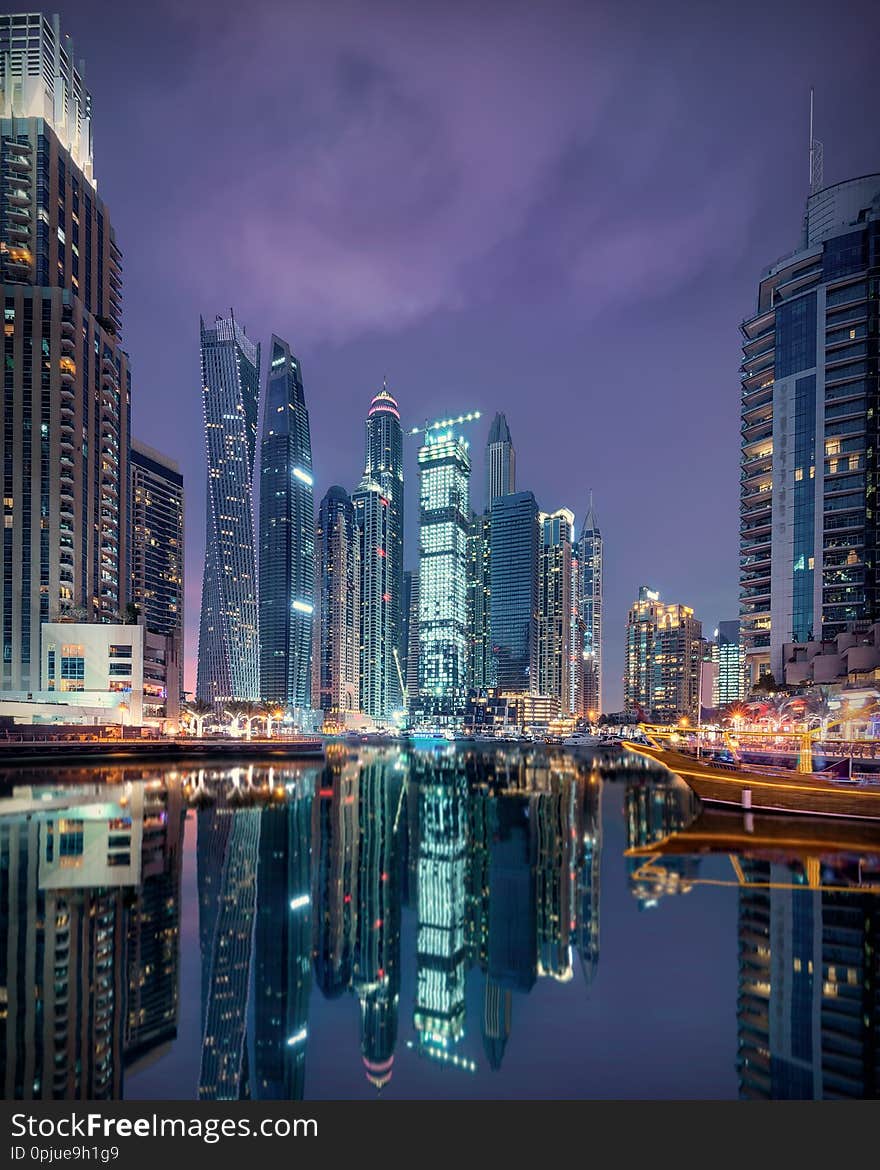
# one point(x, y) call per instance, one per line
point(442, 909)
point(513, 940)
point(553, 815)
point(587, 894)
point(283, 945)
point(153, 926)
point(335, 843)
point(497, 1010)
point(229, 666)
point(376, 979)
point(228, 851)
point(655, 808)
point(808, 1025)
point(67, 875)
point(287, 536)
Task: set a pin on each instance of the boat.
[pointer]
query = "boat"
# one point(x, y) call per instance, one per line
point(582, 739)
point(769, 789)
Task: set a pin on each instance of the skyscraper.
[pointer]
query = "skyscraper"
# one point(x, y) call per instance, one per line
point(730, 664)
point(336, 654)
point(556, 532)
point(663, 659)
point(412, 643)
point(809, 528)
point(500, 461)
point(444, 519)
point(287, 536)
point(513, 576)
point(478, 599)
point(372, 519)
point(384, 467)
point(589, 605)
point(156, 541)
point(66, 391)
point(229, 665)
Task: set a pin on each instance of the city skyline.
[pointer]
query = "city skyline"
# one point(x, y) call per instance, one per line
point(734, 224)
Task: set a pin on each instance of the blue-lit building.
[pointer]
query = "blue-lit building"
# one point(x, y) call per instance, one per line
point(444, 522)
point(513, 577)
point(810, 396)
point(287, 536)
point(229, 665)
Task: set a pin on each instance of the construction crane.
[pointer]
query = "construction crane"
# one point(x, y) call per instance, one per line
point(441, 423)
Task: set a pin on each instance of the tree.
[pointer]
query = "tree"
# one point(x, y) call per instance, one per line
point(198, 710)
point(132, 613)
point(766, 684)
point(250, 712)
point(234, 711)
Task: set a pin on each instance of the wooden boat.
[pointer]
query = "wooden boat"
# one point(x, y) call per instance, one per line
point(719, 830)
point(772, 790)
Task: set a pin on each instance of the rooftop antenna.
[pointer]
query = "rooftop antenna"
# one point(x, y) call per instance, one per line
point(816, 168)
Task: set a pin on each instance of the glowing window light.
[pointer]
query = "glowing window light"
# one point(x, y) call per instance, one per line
point(297, 1038)
point(299, 902)
point(303, 476)
point(303, 607)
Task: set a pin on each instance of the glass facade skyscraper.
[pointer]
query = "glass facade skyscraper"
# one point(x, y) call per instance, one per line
point(156, 542)
point(64, 440)
point(556, 532)
point(513, 577)
point(382, 586)
point(500, 461)
point(228, 645)
point(336, 654)
point(287, 536)
point(588, 588)
point(444, 520)
point(730, 664)
point(809, 467)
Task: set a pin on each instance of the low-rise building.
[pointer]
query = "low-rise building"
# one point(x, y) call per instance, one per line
point(850, 659)
point(101, 672)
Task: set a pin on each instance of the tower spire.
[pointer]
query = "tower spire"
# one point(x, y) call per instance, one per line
point(816, 161)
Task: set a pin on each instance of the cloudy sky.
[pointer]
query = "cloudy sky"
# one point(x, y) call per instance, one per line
point(559, 210)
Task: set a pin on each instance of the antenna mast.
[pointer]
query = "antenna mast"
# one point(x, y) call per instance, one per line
point(816, 167)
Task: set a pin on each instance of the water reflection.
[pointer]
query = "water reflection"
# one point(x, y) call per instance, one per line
point(436, 892)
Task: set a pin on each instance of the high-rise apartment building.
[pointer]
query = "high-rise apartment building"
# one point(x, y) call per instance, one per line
point(478, 595)
point(372, 520)
point(555, 535)
point(287, 536)
point(809, 529)
point(513, 573)
point(663, 659)
point(337, 629)
point(66, 390)
point(444, 520)
point(382, 561)
point(588, 587)
point(229, 666)
point(156, 542)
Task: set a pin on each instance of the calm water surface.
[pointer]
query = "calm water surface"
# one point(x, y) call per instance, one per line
point(445, 923)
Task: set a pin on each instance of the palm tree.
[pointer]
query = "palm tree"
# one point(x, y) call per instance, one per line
point(250, 712)
point(234, 711)
point(198, 710)
point(273, 714)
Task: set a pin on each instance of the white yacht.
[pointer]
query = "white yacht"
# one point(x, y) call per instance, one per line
point(582, 739)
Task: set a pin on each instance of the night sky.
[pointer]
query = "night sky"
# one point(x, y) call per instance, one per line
point(558, 210)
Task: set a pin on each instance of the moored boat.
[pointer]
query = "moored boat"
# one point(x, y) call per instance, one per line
point(773, 790)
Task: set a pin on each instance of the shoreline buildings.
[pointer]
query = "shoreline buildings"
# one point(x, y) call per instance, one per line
point(663, 660)
point(336, 652)
point(228, 663)
point(378, 505)
point(444, 522)
point(808, 522)
point(287, 536)
point(65, 435)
